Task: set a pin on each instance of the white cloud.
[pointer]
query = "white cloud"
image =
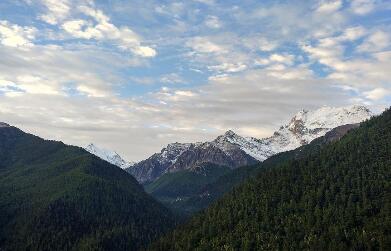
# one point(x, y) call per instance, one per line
point(36, 85)
point(256, 77)
point(349, 34)
point(81, 29)
point(329, 51)
point(259, 43)
point(213, 22)
point(54, 70)
point(58, 10)
point(265, 45)
point(228, 67)
point(280, 58)
point(185, 93)
point(261, 61)
point(329, 6)
point(377, 41)
point(100, 28)
point(91, 91)
point(353, 33)
point(377, 93)
point(362, 7)
point(174, 9)
point(369, 70)
point(204, 45)
point(289, 21)
point(280, 71)
point(14, 35)
point(277, 67)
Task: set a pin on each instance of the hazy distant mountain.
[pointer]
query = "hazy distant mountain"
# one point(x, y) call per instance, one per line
point(110, 156)
point(232, 150)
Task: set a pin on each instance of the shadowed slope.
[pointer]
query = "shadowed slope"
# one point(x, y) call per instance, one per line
point(59, 197)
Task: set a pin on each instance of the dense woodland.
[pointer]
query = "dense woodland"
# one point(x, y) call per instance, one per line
point(58, 197)
point(337, 197)
point(180, 191)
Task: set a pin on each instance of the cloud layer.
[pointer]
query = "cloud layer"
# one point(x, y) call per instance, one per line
point(135, 76)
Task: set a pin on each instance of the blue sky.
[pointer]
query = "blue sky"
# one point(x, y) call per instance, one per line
point(135, 75)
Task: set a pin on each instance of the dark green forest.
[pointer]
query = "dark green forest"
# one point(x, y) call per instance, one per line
point(59, 197)
point(336, 197)
point(176, 190)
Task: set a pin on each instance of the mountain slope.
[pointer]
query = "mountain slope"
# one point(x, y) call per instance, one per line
point(233, 150)
point(336, 198)
point(185, 183)
point(174, 189)
point(59, 197)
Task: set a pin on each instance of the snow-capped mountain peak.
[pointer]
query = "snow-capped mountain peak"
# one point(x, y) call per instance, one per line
point(328, 117)
point(304, 127)
point(110, 156)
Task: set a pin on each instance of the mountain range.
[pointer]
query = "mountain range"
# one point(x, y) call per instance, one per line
point(187, 177)
point(232, 150)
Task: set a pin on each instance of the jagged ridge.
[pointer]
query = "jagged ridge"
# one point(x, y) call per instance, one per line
point(233, 150)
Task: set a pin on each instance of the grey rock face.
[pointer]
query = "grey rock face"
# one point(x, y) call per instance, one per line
point(176, 157)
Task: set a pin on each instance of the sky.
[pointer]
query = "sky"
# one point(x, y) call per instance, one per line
point(133, 76)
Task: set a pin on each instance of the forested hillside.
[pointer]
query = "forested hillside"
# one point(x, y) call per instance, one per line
point(174, 189)
point(59, 197)
point(335, 198)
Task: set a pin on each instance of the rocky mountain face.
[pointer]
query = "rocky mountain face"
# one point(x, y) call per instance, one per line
point(110, 156)
point(233, 150)
point(176, 157)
